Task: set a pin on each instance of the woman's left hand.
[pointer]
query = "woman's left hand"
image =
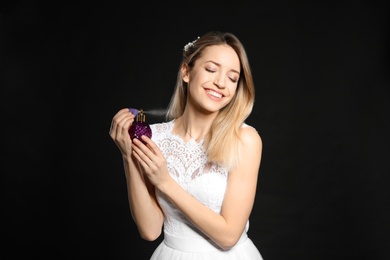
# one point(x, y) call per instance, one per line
point(151, 160)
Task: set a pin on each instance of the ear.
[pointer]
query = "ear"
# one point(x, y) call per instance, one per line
point(185, 73)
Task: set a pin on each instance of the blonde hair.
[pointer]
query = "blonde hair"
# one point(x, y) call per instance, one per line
point(222, 142)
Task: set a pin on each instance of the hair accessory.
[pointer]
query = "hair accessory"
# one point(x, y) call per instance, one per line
point(190, 44)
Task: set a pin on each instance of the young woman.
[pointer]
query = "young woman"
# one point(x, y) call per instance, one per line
point(196, 178)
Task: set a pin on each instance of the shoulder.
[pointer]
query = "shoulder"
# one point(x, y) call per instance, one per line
point(250, 137)
point(249, 133)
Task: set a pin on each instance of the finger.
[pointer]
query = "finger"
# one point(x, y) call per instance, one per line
point(146, 148)
point(120, 113)
point(123, 122)
point(117, 118)
point(142, 147)
point(151, 145)
point(139, 159)
point(121, 118)
point(125, 125)
point(138, 151)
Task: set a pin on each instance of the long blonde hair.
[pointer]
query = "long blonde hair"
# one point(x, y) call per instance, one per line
point(222, 142)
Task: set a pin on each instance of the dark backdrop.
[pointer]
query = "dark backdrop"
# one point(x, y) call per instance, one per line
point(322, 79)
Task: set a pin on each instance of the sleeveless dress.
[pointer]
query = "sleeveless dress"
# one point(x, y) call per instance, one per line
point(187, 164)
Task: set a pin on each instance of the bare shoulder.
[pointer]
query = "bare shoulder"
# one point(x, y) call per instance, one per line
point(249, 152)
point(250, 137)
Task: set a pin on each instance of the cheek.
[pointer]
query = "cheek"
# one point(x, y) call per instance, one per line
point(233, 90)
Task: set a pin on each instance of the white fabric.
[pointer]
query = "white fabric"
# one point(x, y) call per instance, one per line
point(187, 164)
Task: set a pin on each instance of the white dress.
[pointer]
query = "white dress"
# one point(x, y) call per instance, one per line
point(187, 164)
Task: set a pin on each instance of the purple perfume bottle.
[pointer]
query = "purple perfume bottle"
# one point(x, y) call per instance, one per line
point(140, 127)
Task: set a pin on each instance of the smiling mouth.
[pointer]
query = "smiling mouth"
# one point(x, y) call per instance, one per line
point(214, 94)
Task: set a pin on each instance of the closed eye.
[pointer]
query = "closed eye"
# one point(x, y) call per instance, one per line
point(233, 80)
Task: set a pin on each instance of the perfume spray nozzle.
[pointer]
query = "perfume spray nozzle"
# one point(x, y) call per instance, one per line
point(134, 111)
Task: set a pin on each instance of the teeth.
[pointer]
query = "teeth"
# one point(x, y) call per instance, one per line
point(213, 93)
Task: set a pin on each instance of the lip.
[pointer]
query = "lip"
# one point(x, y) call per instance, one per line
point(208, 90)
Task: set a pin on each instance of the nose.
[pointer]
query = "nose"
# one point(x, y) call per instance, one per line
point(220, 80)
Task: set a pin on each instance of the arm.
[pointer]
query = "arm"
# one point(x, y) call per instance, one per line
point(224, 229)
point(144, 208)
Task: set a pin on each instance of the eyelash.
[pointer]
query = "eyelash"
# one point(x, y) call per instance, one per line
point(212, 71)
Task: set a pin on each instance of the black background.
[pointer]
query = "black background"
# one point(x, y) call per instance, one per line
point(321, 71)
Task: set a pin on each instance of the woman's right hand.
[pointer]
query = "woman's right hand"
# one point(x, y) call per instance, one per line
point(119, 130)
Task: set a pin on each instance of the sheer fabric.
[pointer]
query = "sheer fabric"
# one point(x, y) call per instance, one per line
point(187, 164)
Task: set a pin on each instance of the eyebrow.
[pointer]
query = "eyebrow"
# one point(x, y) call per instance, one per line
point(219, 65)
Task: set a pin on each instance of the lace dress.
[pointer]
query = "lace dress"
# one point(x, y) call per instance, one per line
point(187, 164)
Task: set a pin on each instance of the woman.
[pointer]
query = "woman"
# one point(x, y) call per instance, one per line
point(196, 177)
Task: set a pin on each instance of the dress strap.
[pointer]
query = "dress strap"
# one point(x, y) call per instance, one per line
point(187, 244)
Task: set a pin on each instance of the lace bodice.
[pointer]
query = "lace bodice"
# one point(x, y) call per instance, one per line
point(187, 164)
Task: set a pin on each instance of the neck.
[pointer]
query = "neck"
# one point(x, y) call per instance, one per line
point(193, 134)
point(195, 127)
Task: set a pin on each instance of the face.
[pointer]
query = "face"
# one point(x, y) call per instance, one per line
point(212, 82)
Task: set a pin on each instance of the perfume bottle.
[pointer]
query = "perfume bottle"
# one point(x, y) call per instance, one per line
point(140, 127)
